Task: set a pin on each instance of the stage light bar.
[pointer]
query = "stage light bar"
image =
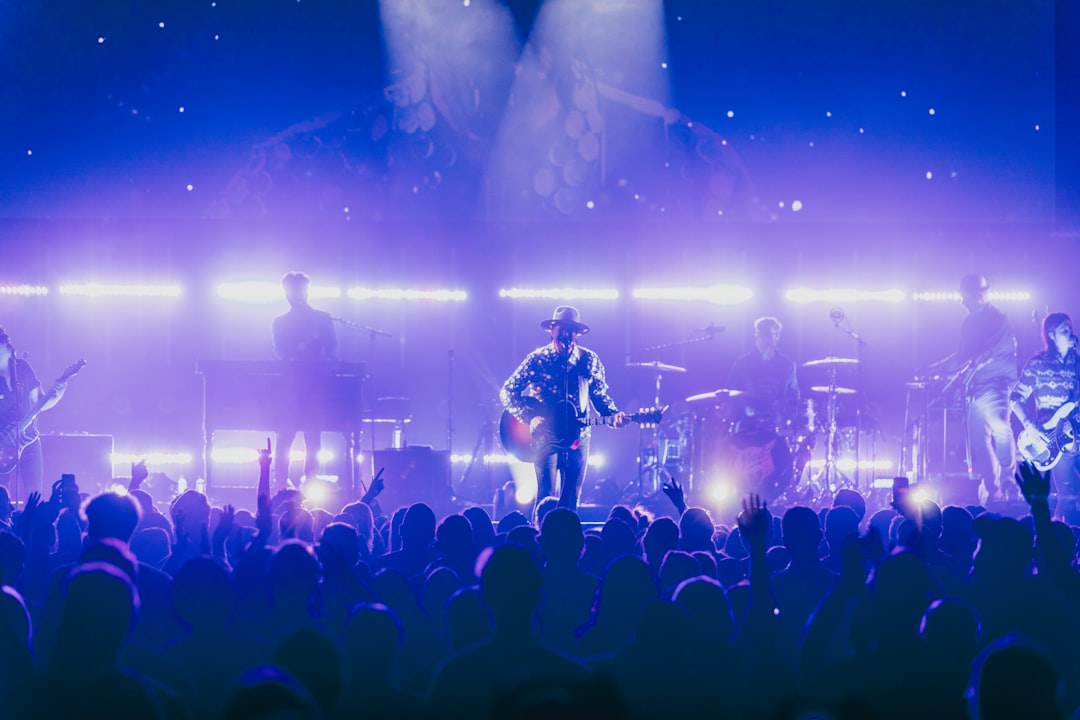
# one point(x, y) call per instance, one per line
point(107, 290)
point(24, 290)
point(268, 292)
point(359, 293)
point(153, 458)
point(953, 296)
point(493, 459)
point(839, 295)
point(559, 293)
point(716, 294)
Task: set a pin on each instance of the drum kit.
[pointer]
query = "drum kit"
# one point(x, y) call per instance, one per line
point(721, 439)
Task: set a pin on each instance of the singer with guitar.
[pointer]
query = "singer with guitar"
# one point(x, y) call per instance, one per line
point(984, 368)
point(1049, 384)
point(20, 395)
point(551, 391)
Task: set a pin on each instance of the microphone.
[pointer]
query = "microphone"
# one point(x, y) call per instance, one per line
point(836, 315)
point(710, 329)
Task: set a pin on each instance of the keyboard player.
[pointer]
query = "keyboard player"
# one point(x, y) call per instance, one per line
point(305, 338)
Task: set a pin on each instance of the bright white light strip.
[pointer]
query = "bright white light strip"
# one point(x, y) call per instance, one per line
point(718, 294)
point(559, 293)
point(267, 292)
point(999, 296)
point(808, 295)
point(103, 290)
point(359, 293)
point(241, 455)
point(23, 290)
point(849, 465)
point(154, 457)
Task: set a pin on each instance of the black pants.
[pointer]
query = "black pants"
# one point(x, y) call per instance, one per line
point(570, 465)
point(1066, 476)
point(285, 439)
point(28, 476)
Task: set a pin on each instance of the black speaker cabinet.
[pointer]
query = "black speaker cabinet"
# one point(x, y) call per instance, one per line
point(88, 457)
point(413, 474)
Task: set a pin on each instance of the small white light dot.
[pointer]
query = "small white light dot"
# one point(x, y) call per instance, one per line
point(29, 152)
point(415, 189)
point(1036, 128)
point(929, 175)
point(861, 131)
point(161, 24)
point(932, 111)
point(796, 205)
point(719, 212)
point(667, 164)
point(636, 196)
point(100, 40)
point(134, 111)
point(590, 204)
point(903, 93)
point(828, 113)
point(190, 187)
point(216, 37)
point(181, 108)
point(663, 65)
point(723, 142)
point(781, 203)
point(468, 3)
point(346, 209)
point(952, 174)
point(213, 4)
point(811, 143)
point(679, 18)
point(731, 113)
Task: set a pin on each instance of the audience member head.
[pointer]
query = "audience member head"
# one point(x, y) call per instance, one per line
point(696, 530)
point(852, 499)
point(1012, 678)
point(151, 546)
point(190, 513)
point(111, 515)
point(483, 532)
point(840, 522)
point(544, 507)
point(561, 536)
point(418, 527)
point(801, 532)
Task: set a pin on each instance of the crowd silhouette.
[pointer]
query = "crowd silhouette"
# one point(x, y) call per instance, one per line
point(110, 607)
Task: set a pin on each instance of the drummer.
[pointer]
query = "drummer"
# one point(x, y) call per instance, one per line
point(768, 378)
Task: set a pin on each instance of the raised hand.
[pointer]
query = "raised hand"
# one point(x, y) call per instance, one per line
point(1034, 485)
point(138, 474)
point(264, 519)
point(754, 519)
point(265, 456)
point(674, 490)
point(376, 487)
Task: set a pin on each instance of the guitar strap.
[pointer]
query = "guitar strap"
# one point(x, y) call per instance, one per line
point(583, 396)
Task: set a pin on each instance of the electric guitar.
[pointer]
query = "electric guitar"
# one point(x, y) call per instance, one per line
point(16, 436)
point(1062, 432)
point(560, 429)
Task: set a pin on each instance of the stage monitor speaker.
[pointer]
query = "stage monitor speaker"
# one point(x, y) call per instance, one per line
point(88, 457)
point(413, 474)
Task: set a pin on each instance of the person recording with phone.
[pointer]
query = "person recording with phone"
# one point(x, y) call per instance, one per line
point(551, 389)
point(20, 394)
point(1044, 400)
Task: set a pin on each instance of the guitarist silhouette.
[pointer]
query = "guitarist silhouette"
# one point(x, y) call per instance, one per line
point(984, 367)
point(551, 392)
point(20, 395)
point(1049, 384)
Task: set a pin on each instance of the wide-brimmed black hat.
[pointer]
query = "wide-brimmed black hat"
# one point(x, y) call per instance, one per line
point(568, 317)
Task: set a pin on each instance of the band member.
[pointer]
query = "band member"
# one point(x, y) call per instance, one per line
point(1051, 380)
point(304, 336)
point(20, 392)
point(767, 377)
point(561, 379)
point(984, 368)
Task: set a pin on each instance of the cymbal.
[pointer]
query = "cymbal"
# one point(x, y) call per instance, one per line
point(657, 366)
point(831, 362)
point(722, 392)
point(833, 389)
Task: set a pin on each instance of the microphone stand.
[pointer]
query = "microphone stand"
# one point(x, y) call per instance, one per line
point(710, 332)
point(373, 335)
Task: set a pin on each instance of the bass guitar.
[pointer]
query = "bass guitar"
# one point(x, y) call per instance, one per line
point(16, 436)
point(561, 428)
point(1062, 432)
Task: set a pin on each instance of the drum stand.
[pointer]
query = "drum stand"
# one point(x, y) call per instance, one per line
point(829, 478)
